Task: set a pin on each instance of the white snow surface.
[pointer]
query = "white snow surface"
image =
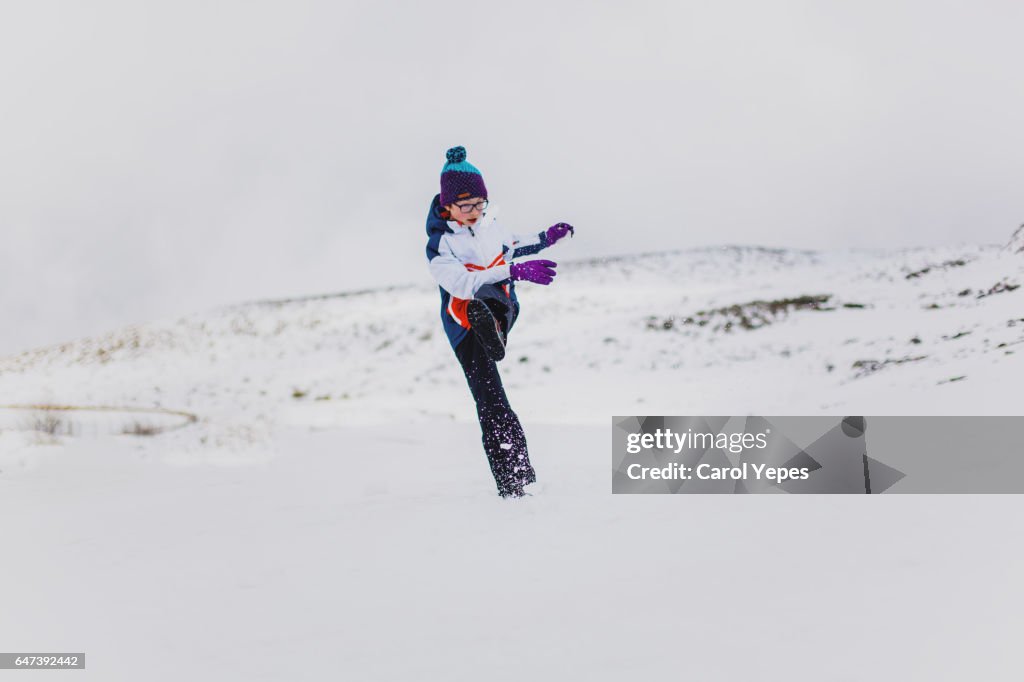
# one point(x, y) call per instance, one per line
point(329, 513)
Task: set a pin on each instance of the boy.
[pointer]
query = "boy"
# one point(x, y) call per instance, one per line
point(470, 259)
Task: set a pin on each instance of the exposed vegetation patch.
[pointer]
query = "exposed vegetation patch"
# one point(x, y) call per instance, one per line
point(866, 367)
point(48, 422)
point(752, 315)
point(941, 266)
point(1016, 243)
point(141, 429)
point(999, 288)
point(76, 420)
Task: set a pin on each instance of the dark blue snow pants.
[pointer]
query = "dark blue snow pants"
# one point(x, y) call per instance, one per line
point(503, 436)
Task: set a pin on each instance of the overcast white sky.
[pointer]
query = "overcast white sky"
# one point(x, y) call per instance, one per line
point(158, 158)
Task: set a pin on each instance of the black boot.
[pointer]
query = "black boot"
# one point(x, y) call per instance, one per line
point(524, 472)
point(513, 492)
point(486, 328)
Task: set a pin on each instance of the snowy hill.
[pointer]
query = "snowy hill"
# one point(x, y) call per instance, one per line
point(295, 490)
point(711, 331)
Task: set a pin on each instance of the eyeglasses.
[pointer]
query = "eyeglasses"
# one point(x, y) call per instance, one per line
point(468, 208)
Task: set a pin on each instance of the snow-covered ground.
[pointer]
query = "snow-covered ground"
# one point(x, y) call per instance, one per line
point(302, 495)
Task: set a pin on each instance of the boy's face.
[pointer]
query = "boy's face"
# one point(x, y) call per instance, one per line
point(473, 210)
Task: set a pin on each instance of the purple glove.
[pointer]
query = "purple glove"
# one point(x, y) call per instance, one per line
point(536, 271)
point(559, 230)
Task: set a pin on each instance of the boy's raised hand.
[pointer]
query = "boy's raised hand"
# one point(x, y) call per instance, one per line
point(558, 231)
point(536, 271)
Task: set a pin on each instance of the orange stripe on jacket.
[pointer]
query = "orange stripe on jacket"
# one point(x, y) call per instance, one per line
point(457, 309)
point(457, 306)
point(499, 260)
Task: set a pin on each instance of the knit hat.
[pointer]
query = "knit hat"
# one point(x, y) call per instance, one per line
point(460, 179)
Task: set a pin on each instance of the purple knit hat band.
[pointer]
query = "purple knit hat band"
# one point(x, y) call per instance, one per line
point(457, 185)
point(460, 179)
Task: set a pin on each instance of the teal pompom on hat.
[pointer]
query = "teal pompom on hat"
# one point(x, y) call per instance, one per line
point(460, 179)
